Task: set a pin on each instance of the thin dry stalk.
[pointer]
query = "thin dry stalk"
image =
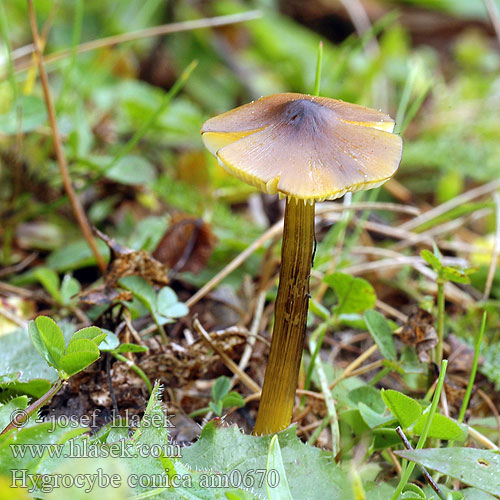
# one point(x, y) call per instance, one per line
point(481, 439)
point(252, 337)
point(17, 268)
point(451, 204)
point(367, 368)
point(444, 404)
point(61, 159)
point(492, 9)
point(164, 29)
point(391, 311)
point(226, 359)
point(492, 407)
point(441, 230)
point(395, 461)
point(310, 427)
point(391, 263)
point(352, 366)
point(131, 329)
point(273, 231)
point(13, 318)
point(329, 206)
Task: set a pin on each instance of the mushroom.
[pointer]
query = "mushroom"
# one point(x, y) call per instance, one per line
point(306, 149)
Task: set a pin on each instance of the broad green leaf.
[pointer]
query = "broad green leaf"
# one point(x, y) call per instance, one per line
point(312, 473)
point(141, 289)
point(75, 255)
point(69, 288)
point(404, 408)
point(372, 418)
point(132, 170)
point(161, 320)
point(354, 295)
point(442, 427)
point(381, 332)
point(455, 275)
point(110, 342)
point(34, 114)
point(154, 423)
point(52, 337)
point(38, 342)
point(24, 369)
point(275, 466)
point(177, 310)
point(432, 260)
point(50, 281)
point(369, 396)
point(233, 399)
point(385, 437)
point(91, 333)
point(475, 494)
point(220, 388)
point(101, 489)
point(354, 419)
point(79, 354)
point(478, 468)
point(168, 305)
point(166, 297)
point(39, 435)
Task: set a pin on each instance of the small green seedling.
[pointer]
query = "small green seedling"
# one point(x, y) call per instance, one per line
point(444, 275)
point(62, 292)
point(163, 306)
point(81, 351)
point(68, 359)
point(112, 345)
point(221, 398)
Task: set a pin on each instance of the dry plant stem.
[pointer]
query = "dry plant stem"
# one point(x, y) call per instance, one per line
point(18, 421)
point(395, 461)
point(479, 438)
point(449, 205)
point(493, 409)
point(235, 263)
point(280, 382)
point(13, 318)
point(61, 159)
point(492, 9)
point(427, 476)
point(357, 362)
point(252, 337)
point(164, 29)
point(225, 358)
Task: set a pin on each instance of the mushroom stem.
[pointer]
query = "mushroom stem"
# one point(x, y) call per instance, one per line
point(280, 381)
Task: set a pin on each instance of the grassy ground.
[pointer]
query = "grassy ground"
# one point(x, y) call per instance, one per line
point(114, 215)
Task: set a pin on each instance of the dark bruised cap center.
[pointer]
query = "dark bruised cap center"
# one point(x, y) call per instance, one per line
point(303, 114)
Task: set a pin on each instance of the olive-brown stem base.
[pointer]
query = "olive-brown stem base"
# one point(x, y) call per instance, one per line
point(280, 381)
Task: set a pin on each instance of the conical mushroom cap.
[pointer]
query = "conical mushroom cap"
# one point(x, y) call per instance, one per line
point(305, 147)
